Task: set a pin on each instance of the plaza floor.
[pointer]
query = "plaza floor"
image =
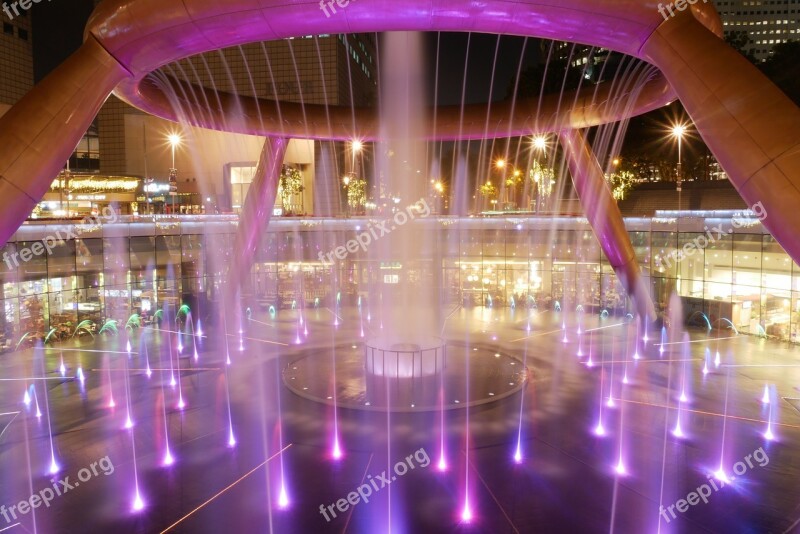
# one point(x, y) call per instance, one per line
point(282, 469)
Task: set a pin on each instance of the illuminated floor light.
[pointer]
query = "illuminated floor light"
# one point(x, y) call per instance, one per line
point(466, 512)
point(610, 402)
point(768, 435)
point(231, 439)
point(54, 468)
point(181, 404)
point(128, 423)
point(620, 468)
point(636, 356)
point(283, 499)
point(720, 475)
point(138, 503)
point(683, 397)
point(625, 379)
point(765, 396)
point(442, 465)
point(599, 430)
point(518, 455)
point(168, 458)
point(717, 360)
point(27, 398)
point(62, 369)
point(678, 432)
point(111, 403)
point(705, 368)
point(172, 381)
point(337, 450)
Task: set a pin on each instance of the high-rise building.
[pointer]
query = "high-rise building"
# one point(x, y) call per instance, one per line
point(766, 22)
point(16, 59)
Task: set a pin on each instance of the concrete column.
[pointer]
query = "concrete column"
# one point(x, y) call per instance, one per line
point(40, 132)
point(751, 127)
point(605, 218)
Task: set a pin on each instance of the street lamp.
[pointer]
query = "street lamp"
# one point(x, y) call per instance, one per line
point(539, 143)
point(678, 131)
point(174, 140)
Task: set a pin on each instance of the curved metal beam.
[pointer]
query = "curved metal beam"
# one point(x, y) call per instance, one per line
point(605, 218)
point(584, 108)
point(257, 209)
point(750, 126)
point(38, 134)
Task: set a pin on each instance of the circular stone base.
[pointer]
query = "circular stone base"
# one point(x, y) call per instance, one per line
point(472, 376)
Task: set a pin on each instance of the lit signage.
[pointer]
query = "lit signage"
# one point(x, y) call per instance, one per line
point(89, 197)
point(156, 188)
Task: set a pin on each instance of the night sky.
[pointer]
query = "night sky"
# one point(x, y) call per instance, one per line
point(58, 31)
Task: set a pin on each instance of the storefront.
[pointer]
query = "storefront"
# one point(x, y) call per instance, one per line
point(77, 196)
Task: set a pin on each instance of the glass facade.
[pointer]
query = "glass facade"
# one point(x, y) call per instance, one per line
point(728, 275)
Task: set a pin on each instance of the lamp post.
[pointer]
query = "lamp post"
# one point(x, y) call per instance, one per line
point(678, 131)
point(539, 144)
point(174, 142)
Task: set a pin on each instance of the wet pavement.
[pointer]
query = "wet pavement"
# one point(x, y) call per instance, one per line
point(282, 469)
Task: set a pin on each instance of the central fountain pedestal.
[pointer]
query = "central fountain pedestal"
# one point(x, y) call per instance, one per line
point(388, 374)
point(384, 357)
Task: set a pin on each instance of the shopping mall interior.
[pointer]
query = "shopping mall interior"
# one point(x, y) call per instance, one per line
point(399, 267)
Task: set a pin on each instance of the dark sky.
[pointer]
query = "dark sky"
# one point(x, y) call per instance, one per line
point(481, 50)
point(58, 31)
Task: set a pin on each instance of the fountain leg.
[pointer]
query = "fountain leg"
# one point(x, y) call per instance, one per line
point(39, 133)
point(256, 213)
point(751, 126)
point(605, 218)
